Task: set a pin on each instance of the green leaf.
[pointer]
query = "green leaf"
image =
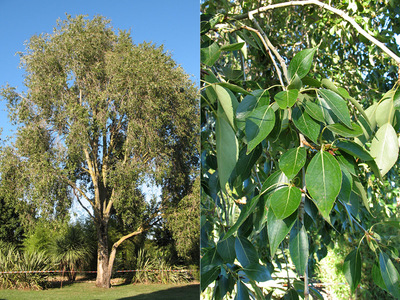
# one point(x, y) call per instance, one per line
point(246, 162)
point(208, 277)
point(210, 260)
point(358, 188)
point(210, 54)
point(242, 291)
point(275, 181)
point(347, 184)
point(305, 124)
point(377, 276)
point(298, 247)
point(292, 161)
point(295, 83)
point(323, 180)
point(246, 211)
point(234, 88)
point(352, 269)
point(314, 110)
point(385, 148)
point(301, 63)
point(344, 131)
point(232, 47)
point(226, 250)
point(353, 149)
point(257, 272)
point(227, 149)
point(337, 105)
point(245, 251)
point(285, 201)
point(259, 124)
point(278, 229)
point(228, 102)
point(385, 112)
point(389, 274)
point(286, 99)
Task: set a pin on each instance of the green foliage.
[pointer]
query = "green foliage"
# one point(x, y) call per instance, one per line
point(300, 165)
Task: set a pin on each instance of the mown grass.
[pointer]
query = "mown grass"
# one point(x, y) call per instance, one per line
point(88, 291)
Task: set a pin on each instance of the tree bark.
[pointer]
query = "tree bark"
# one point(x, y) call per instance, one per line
point(103, 278)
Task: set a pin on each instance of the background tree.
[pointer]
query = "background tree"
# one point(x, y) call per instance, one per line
point(279, 80)
point(100, 114)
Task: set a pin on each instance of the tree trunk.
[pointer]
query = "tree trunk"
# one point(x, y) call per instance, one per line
point(103, 278)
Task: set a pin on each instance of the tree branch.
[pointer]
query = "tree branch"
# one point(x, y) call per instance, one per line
point(84, 207)
point(336, 11)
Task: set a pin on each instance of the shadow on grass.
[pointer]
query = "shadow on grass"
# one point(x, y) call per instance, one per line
point(189, 292)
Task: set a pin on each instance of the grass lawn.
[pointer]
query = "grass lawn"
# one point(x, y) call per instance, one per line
point(87, 290)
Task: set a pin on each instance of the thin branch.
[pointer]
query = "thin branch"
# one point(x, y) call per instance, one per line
point(84, 207)
point(264, 40)
point(336, 11)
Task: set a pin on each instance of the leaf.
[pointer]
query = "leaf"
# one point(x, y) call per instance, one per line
point(389, 274)
point(286, 99)
point(385, 148)
point(210, 260)
point(227, 149)
point(358, 188)
point(385, 112)
point(257, 272)
point(323, 180)
point(210, 54)
point(208, 277)
point(353, 149)
point(228, 102)
point(345, 131)
point(246, 211)
point(314, 111)
point(275, 181)
point(377, 276)
point(352, 269)
point(306, 124)
point(226, 250)
point(292, 161)
point(245, 251)
point(295, 83)
point(246, 162)
point(298, 247)
point(301, 63)
point(259, 124)
point(232, 47)
point(234, 88)
point(278, 229)
point(347, 184)
point(242, 291)
point(338, 105)
point(285, 201)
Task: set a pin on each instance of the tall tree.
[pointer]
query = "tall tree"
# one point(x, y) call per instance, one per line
point(100, 115)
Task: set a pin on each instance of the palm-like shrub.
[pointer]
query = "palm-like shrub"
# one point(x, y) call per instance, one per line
point(71, 250)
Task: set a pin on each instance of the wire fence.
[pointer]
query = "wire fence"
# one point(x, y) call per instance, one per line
point(118, 271)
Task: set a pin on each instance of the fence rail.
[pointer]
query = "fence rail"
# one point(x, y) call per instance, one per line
point(118, 271)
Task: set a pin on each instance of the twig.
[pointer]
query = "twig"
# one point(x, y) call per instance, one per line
point(327, 7)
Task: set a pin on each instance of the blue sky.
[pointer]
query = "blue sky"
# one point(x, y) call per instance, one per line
point(175, 24)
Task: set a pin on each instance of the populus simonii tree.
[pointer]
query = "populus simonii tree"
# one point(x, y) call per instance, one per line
point(290, 158)
point(99, 115)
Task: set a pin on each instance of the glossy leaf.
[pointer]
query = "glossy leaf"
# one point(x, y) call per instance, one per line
point(210, 260)
point(228, 102)
point(210, 54)
point(278, 229)
point(345, 131)
point(353, 149)
point(314, 111)
point(285, 201)
point(323, 180)
point(338, 105)
point(244, 214)
point(358, 188)
point(384, 112)
point(389, 274)
point(208, 277)
point(242, 291)
point(246, 162)
point(275, 181)
point(257, 272)
point(259, 124)
point(226, 250)
point(301, 63)
point(347, 185)
point(306, 124)
point(227, 149)
point(233, 88)
point(287, 98)
point(232, 47)
point(298, 247)
point(385, 148)
point(245, 251)
point(352, 269)
point(292, 161)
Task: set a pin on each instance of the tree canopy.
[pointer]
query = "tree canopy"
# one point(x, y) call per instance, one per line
point(99, 116)
point(300, 127)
